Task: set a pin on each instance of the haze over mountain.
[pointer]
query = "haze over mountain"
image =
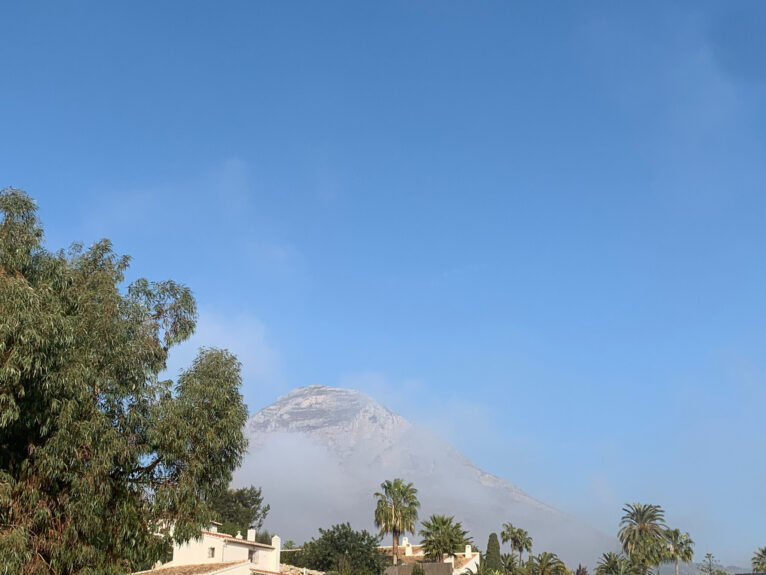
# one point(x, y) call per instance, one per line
point(320, 453)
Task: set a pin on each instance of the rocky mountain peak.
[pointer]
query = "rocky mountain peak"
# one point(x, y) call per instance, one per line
point(341, 418)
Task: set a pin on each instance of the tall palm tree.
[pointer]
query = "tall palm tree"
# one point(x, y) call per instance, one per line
point(758, 561)
point(397, 510)
point(508, 533)
point(680, 547)
point(522, 542)
point(442, 535)
point(642, 533)
point(546, 564)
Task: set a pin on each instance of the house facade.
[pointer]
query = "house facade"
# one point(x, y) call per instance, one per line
point(232, 553)
point(460, 563)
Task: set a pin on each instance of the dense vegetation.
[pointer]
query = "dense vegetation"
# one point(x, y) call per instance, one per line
point(240, 509)
point(99, 457)
point(340, 549)
point(442, 535)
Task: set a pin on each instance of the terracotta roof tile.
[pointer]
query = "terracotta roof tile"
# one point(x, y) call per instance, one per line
point(190, 569)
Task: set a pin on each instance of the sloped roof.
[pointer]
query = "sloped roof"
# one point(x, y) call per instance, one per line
point(191, 569)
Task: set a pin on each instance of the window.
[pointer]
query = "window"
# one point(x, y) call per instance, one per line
point(211, 552)
point(251, 555)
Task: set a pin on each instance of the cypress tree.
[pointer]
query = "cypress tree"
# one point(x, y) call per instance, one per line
point(492, 560)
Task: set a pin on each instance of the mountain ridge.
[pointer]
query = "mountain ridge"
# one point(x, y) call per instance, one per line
point(332, 447)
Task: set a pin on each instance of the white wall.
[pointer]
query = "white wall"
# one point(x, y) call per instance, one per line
point(195, 552)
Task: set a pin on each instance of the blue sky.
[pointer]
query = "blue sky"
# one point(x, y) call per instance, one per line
point(536, 227)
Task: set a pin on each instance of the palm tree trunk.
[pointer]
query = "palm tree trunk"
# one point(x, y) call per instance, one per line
point(396, 545)
point(520, 561)
point(676, 565)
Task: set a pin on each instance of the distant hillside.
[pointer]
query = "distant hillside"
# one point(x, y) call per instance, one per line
point(320, 453)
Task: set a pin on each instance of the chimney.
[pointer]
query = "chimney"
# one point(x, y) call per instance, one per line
point(276, 543)
point(468, 551)
point(251, 534)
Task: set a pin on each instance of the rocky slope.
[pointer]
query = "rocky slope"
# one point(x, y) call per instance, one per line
point(320, 453)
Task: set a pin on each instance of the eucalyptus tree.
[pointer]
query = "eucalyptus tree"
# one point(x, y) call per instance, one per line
point(397, 510)
point(758, 562)
point(680, 547)
point(546, 564)
point(103, 464)
point(642, 534)
point(442, 535)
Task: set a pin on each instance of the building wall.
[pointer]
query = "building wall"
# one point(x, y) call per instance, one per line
point(195, 552)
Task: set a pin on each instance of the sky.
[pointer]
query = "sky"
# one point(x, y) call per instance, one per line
point(537, 228)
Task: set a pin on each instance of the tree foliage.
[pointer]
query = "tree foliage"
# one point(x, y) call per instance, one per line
point(617, 564)
point(507, 534)
point(758, 562)
point(511, 564)
point(396, 510)
point(341, 549)
point(240, 509)
point(441, 536)
point(680, 547)
point(710, 566)
point(492, 559)
point(522, 542)
point(546, 564)
point(642, 534)
point(99, 457)
point(518, 538)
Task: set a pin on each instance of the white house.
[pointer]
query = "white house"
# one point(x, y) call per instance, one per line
point(224, 553)
point(461, 563)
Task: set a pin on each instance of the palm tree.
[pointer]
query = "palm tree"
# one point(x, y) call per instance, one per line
point(397, 510)
point(522, 542)
point(608, 564)
point(441, 536)
point(680, 547)
point(581, 570)
point(616, 564)
point(508, 533)
point(758, 561)
point(627, 566)
point(546, 564)
point(510, 563)
point(642, 533)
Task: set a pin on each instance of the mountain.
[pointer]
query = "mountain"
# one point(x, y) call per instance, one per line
point(320, 453)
